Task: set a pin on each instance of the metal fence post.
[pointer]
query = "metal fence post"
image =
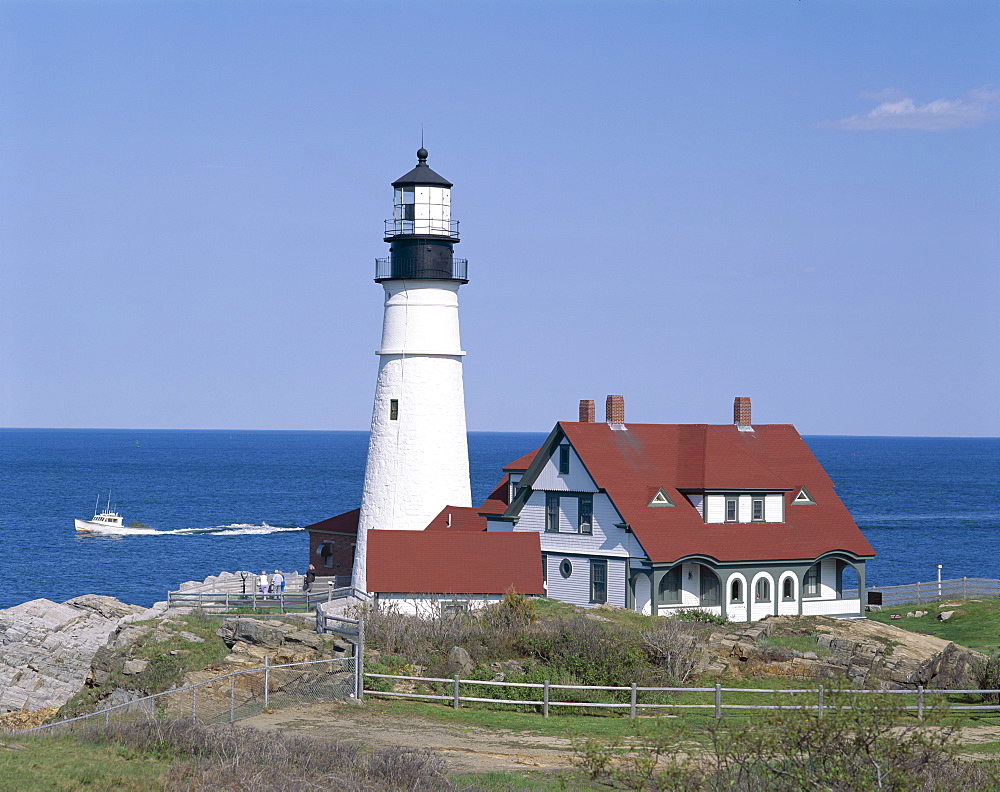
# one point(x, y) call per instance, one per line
point(918, 592)
point(631, 703)
point(819, 707)
point(545, 699)
point(454, 702)
point(194, 703)
point(718, 700)
point(359, 660)
point(232, 699)
point(107, 717)
point(920, 702)
point(267, 681)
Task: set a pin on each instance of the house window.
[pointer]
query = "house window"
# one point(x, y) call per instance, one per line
point(709, 594)
point(565, 568)
point(393, 409)
point(787, 590)
point(732, 509)
point(810, 583)
point(585, 514)
point(454, 608)
point(564, 459)
point(736, 591)
point(551, 513)
point(762, 590)
point(757, 514)
point(670, 587)
point(598, 581)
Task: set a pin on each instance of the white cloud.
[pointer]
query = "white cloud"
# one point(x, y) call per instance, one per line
point(897, 111)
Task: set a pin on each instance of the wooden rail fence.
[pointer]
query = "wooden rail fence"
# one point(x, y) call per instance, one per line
point(544, 701)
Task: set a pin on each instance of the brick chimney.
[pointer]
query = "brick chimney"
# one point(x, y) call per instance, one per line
point(741, 411)
point(614, 409)
point(587, 412)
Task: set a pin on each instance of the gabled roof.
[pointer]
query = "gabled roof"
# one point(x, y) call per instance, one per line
point(631, 465)
point(346, 523)
point(446, 562)
point(521, 463)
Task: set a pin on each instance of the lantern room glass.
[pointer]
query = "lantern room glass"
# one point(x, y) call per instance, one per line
point(422, 209)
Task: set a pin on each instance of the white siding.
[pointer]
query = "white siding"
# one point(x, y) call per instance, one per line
point(745, 513)
point(774, 507)
point(617, 581)
point(643, 601)
point(698, 501)
point(690, 588)
point(429, 605)
point(791, 607)
point(716, 508)
point(737, 611)
point(845, 607)
point(828, 579)
point(577, 480)
point(758, 610)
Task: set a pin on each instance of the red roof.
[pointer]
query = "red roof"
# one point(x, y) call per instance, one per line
point(458, 518)
point(631, 465)
point(346, 523)
point(522, 463)
point(445, 562)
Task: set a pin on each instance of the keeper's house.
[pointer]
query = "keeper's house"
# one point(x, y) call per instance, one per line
point(734, 519)
point(737, 520)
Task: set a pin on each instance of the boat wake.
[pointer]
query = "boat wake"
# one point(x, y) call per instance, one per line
point(235, 529)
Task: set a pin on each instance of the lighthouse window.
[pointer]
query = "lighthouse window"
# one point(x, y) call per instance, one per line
point(393, 409)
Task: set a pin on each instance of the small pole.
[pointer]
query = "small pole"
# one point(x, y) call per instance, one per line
point(920, 702)
point(819, 708)
point(107, 717)
point(194, 703)
point(718, 700)
point(232, 699)
point(939, 579)
point(918, 592)
point(359, 662)
point(631, 703)
point(454, 702)
point(267, 680)
point(545, 699)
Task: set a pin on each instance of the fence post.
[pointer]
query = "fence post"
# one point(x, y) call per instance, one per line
point(965, 587)
point(718, 700)
point(820, 705)
point(359, 660)
point(232, 699)
point(545, 699)
point(918, 592)
point(631, 708)
point(267, 681)
point(107, 717)
point(194, 703)
point(920, 702)
point(227, 600)
point(454, 702)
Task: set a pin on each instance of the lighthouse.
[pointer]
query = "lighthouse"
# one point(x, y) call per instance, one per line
point(418, 453)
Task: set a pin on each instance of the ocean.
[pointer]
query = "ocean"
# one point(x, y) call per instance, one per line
point(221, 500)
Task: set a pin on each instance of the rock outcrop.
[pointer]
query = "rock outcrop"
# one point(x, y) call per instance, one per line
point(863, 652)
point(250, 640)
point(46, 648)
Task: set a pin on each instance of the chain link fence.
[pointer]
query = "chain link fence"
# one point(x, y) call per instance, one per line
point(231, 697)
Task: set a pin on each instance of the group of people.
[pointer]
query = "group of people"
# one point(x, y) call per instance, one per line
point(275, 584)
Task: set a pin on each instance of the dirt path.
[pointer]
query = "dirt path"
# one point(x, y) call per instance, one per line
point(468, 749)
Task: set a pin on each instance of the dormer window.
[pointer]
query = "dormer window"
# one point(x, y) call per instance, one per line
point(803, 496)
point(732, 509)
point(563, 459)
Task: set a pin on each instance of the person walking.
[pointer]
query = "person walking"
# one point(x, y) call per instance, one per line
point(309, 579)
point(278, 582)
point(264, 583)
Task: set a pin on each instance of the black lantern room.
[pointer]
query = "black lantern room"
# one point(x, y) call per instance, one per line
point(421, 233)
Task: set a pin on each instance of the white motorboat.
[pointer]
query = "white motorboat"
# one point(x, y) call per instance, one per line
point(101, 521)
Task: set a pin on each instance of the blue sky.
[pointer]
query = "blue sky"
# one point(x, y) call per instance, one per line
point(677, 201)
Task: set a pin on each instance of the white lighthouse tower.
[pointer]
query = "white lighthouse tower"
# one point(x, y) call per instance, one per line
point(418, 454)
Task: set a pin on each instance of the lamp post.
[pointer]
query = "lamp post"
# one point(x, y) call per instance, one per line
point(939, 579)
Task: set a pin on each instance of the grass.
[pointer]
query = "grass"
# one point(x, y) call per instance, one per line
point(514, 782)
point(164, 670)
point(61, 764)
point(975, 623)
